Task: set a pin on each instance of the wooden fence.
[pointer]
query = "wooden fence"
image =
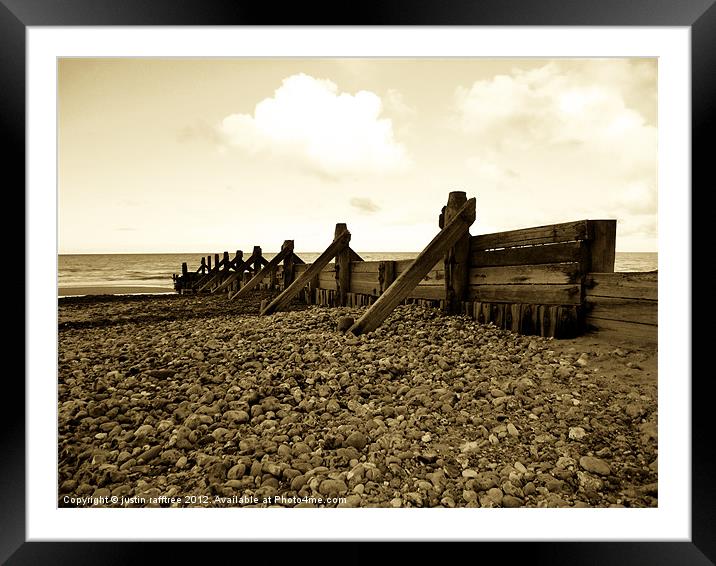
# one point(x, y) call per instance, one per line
point(623, 305)
point(554, 281)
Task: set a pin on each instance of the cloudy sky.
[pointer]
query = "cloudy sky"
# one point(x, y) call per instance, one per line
point(192, 155)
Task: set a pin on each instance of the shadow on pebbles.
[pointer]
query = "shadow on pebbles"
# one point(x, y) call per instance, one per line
point(192, 401)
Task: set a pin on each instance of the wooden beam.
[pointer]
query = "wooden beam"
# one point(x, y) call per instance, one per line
point(535, 294)
point(343, 269)
point(354, 256)
point(623, 285)
point(184, 269)
point(546, 273)
point(289, 261)
point(530, 255)
point(550, 234)
point(602, 244)
point(338, 244)
point(457, 258)
point(409, 279)
point(286, 251)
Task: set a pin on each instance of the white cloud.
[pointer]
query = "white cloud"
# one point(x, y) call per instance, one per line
point(309, 123)
point(569, 139)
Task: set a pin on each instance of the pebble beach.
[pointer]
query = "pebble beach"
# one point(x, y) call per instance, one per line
point(194, 401)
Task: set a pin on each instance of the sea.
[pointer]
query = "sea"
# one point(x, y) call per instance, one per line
point(152, 273)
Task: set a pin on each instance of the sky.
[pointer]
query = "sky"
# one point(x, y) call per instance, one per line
point(206, 155)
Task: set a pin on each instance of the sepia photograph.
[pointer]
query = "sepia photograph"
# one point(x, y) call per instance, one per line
point(357, 282)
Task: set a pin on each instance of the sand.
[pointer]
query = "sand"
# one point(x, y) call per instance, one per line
point(196, 401)
point(111, 290)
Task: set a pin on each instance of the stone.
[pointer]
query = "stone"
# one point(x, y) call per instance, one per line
point(595, 465)
point(512, 430)
point(332, 488)
point(577, 433)
point(357, 440)
point(511, 501)
point(520, 467)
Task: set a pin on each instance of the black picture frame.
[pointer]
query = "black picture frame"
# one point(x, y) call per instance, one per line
point(698, 15)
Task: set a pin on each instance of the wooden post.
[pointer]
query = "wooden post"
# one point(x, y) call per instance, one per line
point(602, 244)
point(386, 275)
point(421, 266)
point(216, 261)
point(184, 269)
point(237, 259)
point(257, 259)
point(343, 269)
point(203, 265)
point(288, 263)
point(208, 262)
point(286, 251)
point(226, 261)
point(457, 260)
point(338, 244)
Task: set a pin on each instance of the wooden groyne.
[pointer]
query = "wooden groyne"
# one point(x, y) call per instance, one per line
point(554, 281)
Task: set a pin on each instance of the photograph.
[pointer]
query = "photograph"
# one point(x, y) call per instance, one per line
point(357, 282)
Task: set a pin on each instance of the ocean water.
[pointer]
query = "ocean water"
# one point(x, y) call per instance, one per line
point(155, 270)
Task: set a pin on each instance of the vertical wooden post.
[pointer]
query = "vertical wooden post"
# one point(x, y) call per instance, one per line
point(203, 265)
point(386, 275)
point(216, 261)
point(601, 236)
point(226, 261)
point(237, 259)
point(343, 269)
point(257, 259)
point(288, 263)
point(208, 262)
point(184, 269)
point(457, 260)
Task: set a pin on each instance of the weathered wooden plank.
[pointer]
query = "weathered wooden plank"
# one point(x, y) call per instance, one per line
point(409, 279)
point(365, 287)
point(314, 269)
point(365, 267)
point(530, 255)
point(267, 270)
point(364, 277)
point(535, 294)
point(457, 259)
point(548, 273)
point(327, 281)
point(623, 285)
point(628, 310)
point(602, 236)
point(620, 331)
point(551, 234)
